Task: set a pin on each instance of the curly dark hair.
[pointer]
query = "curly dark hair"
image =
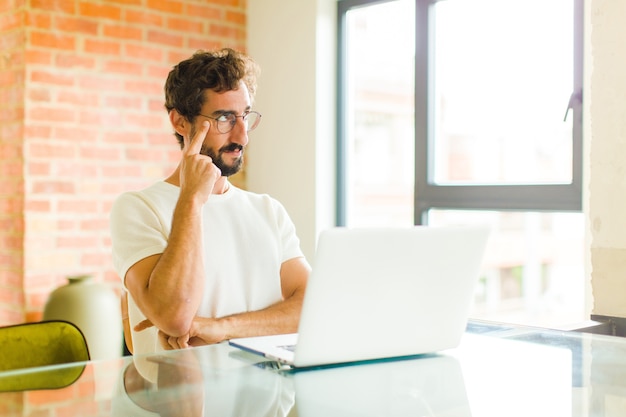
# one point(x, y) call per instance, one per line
point(219, 70)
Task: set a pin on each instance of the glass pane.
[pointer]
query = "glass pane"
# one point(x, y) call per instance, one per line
point(380, 114)
point(533, 266)
point(503, 78)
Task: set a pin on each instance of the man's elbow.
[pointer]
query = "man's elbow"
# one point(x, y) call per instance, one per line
point(174, 325)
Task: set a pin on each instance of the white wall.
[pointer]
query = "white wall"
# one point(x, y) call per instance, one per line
point(607, 158)
point(291, 155)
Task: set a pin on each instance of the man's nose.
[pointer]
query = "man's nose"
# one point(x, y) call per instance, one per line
point(239, 134)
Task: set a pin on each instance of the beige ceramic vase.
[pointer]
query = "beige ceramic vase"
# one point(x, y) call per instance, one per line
point(95, 309)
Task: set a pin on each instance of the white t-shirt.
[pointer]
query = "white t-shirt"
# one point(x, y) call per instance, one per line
point(247, 237)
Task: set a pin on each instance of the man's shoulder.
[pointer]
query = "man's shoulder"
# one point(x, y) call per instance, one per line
point(155, 193)
point(159, 188)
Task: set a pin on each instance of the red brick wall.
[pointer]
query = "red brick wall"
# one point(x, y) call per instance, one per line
point(12, 70)
point(86, 122)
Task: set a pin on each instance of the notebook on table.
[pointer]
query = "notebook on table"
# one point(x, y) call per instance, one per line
point(378, 293)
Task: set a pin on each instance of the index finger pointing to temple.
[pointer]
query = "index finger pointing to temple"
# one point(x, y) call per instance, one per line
point(195, 144)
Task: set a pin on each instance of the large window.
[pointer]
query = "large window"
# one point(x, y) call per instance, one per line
point(469, 111)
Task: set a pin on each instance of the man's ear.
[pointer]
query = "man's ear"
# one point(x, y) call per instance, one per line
point(179, 122)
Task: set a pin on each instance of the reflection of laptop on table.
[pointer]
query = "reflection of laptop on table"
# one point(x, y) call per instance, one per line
point(382, 293)
point(430, 386)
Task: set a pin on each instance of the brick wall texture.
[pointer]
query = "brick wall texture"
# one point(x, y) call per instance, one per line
point(82, 120)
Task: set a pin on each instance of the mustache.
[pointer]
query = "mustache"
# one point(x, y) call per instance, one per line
point(205, 150)
point(231, 147)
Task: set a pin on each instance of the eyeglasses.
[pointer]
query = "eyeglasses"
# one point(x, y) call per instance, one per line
point(227, 121)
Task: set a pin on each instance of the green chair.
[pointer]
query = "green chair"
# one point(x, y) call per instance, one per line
point(24, 348)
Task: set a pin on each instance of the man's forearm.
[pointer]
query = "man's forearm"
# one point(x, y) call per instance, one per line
point(279, 318)
point(282, 317)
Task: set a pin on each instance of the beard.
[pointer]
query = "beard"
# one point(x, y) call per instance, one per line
point(218, 160)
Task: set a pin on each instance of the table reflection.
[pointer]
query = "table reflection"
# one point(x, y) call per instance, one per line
point(426, 386)
point(227, 382)
point(178, 390)
point(201, 382)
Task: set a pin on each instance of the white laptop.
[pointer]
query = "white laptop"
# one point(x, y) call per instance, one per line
point(382, 293)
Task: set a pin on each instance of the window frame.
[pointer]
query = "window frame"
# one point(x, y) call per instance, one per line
point(566, 197)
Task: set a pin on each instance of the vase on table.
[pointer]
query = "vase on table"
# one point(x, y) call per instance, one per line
point(95, 309)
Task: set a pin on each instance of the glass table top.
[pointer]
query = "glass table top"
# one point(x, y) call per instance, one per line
point(498, 370)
